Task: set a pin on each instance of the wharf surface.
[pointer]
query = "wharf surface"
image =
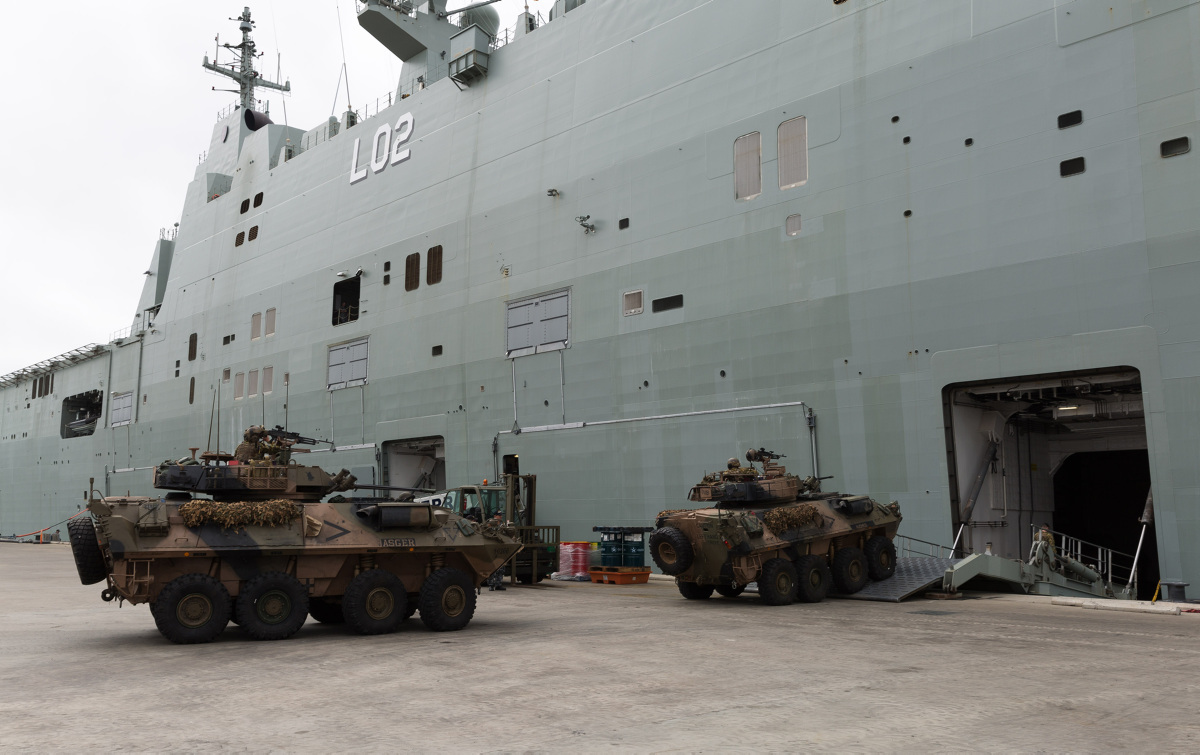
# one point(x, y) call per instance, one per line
point(589, 667)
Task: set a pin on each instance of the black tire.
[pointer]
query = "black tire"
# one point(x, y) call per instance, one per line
point(447, 600)
point(192, 609)
point(729, 591)
point(849, 570)
point(325, 611)
point(272, 606)
point(812, 579)
point(693, 591)
point(89, 560)
point(777, 583)
point(671, 551)
point(881, 557)
point(375, 602)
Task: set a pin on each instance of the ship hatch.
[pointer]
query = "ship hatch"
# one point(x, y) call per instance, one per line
point(1067, 449)
point(415, 463)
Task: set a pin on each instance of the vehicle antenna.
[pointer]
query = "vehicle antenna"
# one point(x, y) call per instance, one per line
point(208, 444)
point(345, 69)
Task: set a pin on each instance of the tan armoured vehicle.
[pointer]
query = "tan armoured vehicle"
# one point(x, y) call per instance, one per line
point(776, 529)
point(265, 552)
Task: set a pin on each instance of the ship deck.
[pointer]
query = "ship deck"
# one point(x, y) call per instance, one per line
point(583, 667)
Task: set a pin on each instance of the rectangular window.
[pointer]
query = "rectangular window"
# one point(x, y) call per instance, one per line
point(192, 391)
point(433, 265)
point(347, 365)
point(1173, 147)
point(270, 325)
point(668, 302)
point(792, 225)
point(239, 385)
point(121, 409)
point(633, 303)
point(252, 387)
point(225, 375)
point(192, 348)
point(268, 379)
point(538, 324)
point(345, 300)
point(412, 272)
point(1071, 167)
point(256, 326)
point(793, 153)
point(1073, 118)
point(747, 166)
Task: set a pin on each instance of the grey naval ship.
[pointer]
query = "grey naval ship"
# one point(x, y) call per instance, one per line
point(946, 252)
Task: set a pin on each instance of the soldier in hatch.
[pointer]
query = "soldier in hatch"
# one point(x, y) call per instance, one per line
point(251, 447)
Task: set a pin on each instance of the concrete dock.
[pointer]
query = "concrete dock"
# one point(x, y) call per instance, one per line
point(582, 667)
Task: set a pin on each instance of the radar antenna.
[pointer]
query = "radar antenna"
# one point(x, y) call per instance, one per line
point(242, 69)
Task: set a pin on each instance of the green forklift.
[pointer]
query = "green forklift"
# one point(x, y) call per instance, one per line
point(513, 500)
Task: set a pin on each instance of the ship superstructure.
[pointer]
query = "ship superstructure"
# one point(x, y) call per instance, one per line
point(943, 251)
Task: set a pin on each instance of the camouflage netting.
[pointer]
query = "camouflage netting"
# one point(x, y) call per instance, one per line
point(791, 517)
point(671, 512)
point(232, 515)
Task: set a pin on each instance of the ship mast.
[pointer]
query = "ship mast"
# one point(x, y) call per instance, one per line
point(243, 72)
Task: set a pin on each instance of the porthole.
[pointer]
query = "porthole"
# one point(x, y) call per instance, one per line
point(1173, 147)
point(241, 238)
point(1072, 167)
point(1073, 118)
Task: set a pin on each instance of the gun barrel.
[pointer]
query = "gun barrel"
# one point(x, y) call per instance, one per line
point(394, 487)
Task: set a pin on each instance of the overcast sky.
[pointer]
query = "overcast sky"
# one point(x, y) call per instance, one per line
point(108, 111)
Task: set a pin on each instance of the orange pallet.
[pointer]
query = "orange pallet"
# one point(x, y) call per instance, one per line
point(619, 575)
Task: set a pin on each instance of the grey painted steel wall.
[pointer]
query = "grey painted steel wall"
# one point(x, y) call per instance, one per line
point(630, 110)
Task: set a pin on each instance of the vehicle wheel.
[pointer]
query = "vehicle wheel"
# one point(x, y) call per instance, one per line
point(881, 557)
point(89, 560)
point(849, 570)
point(325, 611)
point(729, 591)
point(693, 591)
point(191, 609)
point(447, 600)
point(375, 602)
point(812, 579)
point(777, 583)
point(671, 550)
point(272, 606)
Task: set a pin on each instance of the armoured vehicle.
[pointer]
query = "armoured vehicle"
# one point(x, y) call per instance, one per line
point(775, 529)
point(513, 501)
point(266, 553)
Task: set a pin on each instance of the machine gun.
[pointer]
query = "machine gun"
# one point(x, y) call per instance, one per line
point(278, 434)
point(763, 455)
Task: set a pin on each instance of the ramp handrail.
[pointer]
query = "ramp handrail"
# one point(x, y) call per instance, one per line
point(910, 546)
point(1112, 565)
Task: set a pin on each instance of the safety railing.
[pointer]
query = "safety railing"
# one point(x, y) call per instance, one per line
point(907, 547)
point(1114, 567)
